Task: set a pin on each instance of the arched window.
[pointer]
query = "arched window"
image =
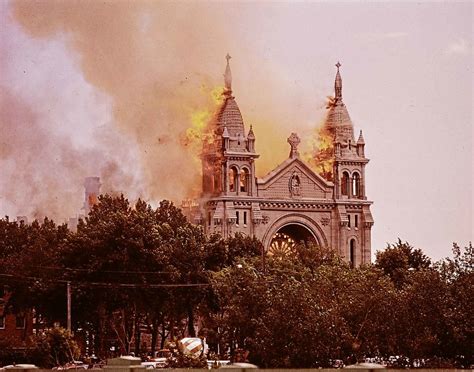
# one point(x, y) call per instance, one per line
point(345, 183)
point(216, 181)
point(352, 252)
point(355, 185)
point(233, 179)
point(244, 180)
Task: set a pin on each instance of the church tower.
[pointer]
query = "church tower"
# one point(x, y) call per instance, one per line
point(293, 203)
point(349, 163)
point(228, 163)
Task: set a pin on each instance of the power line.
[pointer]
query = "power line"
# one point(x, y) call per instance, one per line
point(103, 271)
point(107, 284)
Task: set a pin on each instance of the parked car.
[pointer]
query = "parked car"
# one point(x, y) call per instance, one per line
point(18, 366)
point(240, 365)
point(75, 364)
point(151, 365)
point(217, 363)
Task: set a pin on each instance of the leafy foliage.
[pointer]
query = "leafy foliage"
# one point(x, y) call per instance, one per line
point(398, 260)
point(54, 347)
point(133, 266)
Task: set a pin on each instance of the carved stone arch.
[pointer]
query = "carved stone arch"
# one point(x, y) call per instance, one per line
point(234, 165)
point(353, 237)
point(345, 169)
point(295, 219)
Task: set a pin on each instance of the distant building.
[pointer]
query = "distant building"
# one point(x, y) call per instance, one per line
point(292, 203)
point(15, 328)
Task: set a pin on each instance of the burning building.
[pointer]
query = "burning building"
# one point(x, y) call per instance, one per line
point(293, 203)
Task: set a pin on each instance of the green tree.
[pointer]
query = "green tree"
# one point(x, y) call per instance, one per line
point(458, 275)
point(115, 253)
point(399, 260)
point(53, 347)
point(285, 317)
point(30, 261)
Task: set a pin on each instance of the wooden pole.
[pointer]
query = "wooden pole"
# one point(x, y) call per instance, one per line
point(69, 306)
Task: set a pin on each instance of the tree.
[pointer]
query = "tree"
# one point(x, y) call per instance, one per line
point(54, 347)
point(30, 258)
point(399, 259)
point(115, 252)
point(133, 265)
point(285, 317)
point(458, 275)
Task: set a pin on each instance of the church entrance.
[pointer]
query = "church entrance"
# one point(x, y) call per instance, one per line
point(286, 238)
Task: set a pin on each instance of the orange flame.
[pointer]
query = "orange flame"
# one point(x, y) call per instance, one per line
point(321, 156)
point(201, 130)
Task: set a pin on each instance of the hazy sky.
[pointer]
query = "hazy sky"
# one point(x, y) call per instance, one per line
point(108, 88)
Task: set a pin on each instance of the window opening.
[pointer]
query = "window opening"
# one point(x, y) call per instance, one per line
point(356, 222)
point(232, 179)
point(345, 184)
point(244, 180)
point(356, 185)
point(238, 217)
point(349, 219)
point(352, 253)
point(245, 217)
point(217, 182)
point(20, 322)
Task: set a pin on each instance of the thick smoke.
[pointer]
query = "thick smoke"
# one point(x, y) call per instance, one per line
point(139, 68)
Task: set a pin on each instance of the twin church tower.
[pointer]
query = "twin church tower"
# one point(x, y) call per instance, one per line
point(293, 203)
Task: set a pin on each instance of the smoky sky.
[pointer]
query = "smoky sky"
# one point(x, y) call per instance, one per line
point(108, 88)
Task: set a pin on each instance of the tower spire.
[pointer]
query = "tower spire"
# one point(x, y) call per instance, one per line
point(228, 75)
point(338, 83)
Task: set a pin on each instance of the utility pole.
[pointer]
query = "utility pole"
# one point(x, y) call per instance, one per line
point(69, 306)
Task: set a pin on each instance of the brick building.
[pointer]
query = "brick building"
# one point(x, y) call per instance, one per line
point(15, 328)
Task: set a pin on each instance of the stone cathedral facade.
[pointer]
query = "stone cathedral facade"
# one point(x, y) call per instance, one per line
point(293, 203)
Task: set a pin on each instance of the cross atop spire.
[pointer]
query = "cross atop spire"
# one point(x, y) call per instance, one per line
point(338, 83)
point(228, 75)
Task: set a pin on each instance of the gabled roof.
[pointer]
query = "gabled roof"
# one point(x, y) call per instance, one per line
point(275, 173)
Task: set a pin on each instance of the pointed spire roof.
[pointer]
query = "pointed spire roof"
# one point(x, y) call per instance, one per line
point(229, 114)
point(338, 119)
point(251, 135)
point(361, 141)
point(228, 75)
point(338, 83)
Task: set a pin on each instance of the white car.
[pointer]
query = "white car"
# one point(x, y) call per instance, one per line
point(217, 363)
point(157, 363)
point(18, 366)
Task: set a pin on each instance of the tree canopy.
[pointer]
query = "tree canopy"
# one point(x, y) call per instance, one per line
point(135, 269)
